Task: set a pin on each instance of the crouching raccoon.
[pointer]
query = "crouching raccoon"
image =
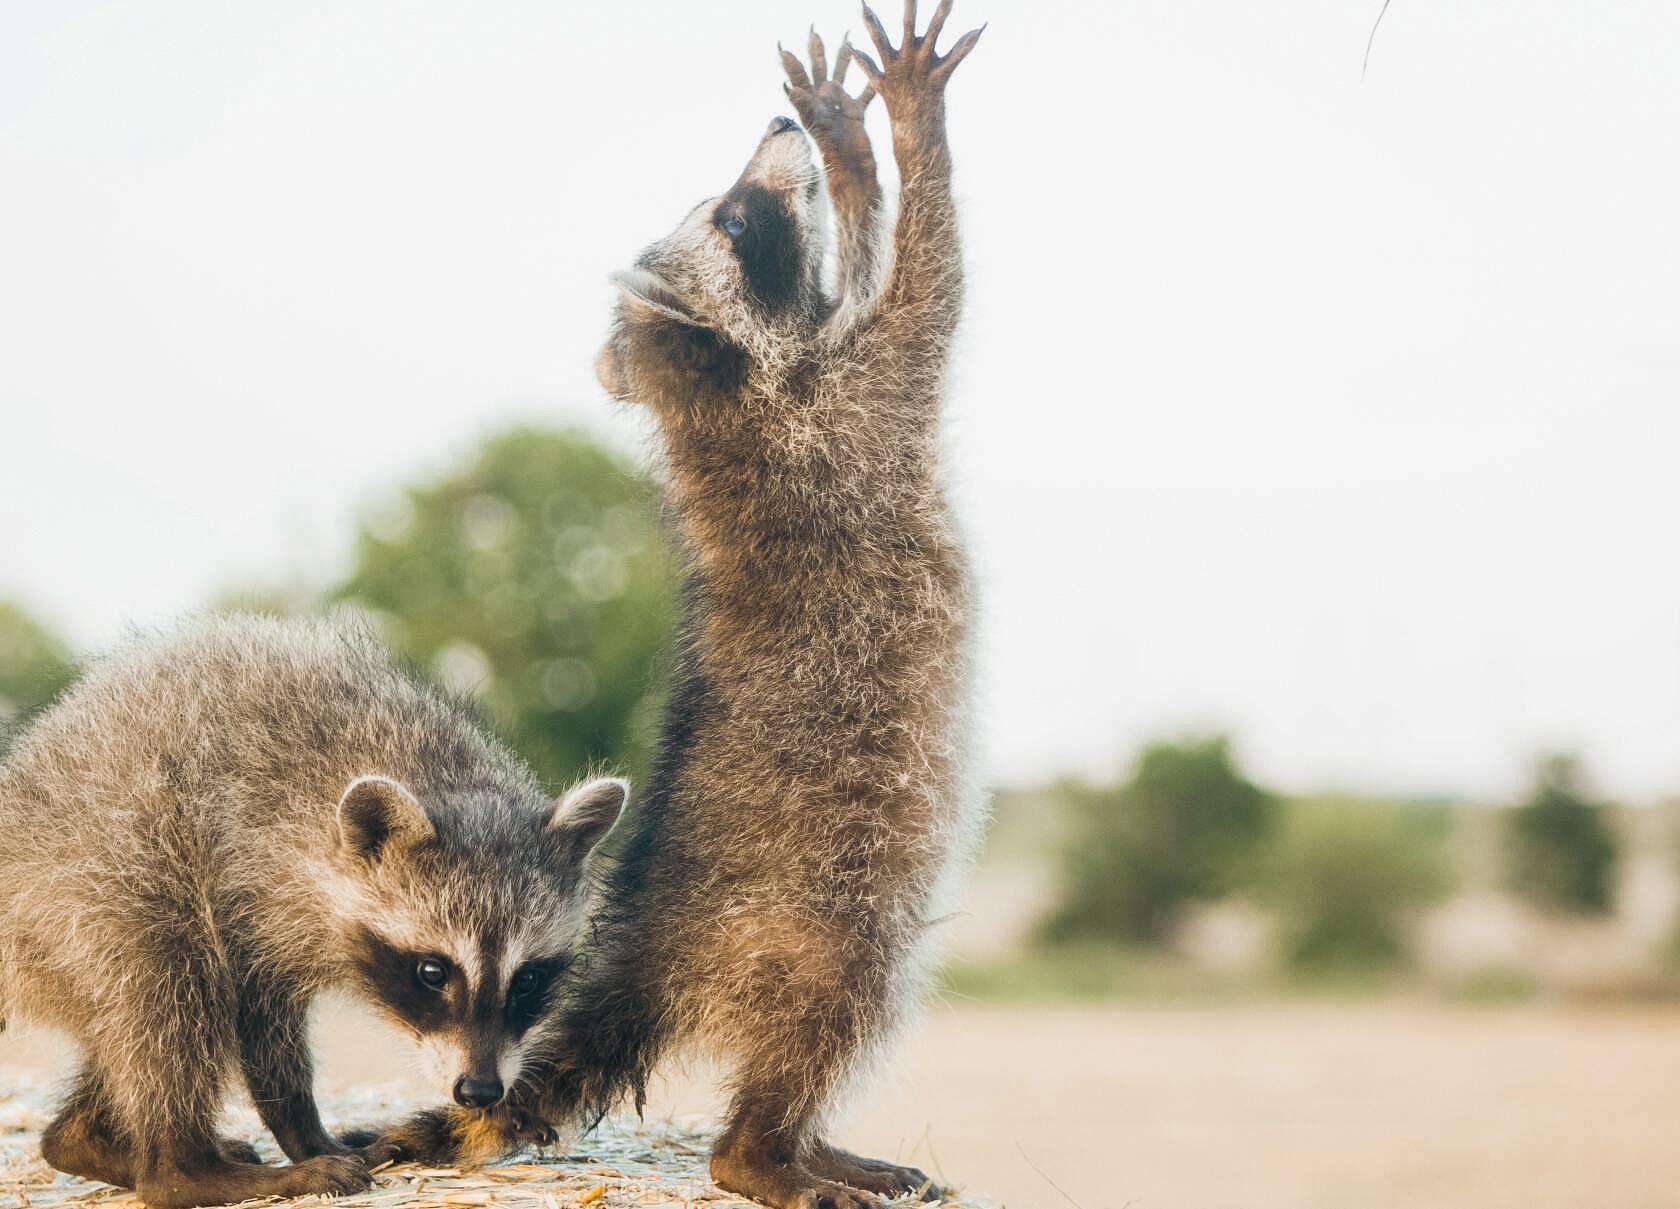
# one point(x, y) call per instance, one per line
point(214, 826)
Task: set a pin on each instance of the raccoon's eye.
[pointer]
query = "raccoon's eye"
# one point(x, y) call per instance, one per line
point(528, 982)
point(734, 225)
point(432, 972)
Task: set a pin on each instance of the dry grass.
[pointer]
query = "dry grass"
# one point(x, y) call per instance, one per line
point(622, 1164)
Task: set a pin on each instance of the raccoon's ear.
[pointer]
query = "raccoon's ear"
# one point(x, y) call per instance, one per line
point(647, 292)
point(585, 813)
point(377, 812)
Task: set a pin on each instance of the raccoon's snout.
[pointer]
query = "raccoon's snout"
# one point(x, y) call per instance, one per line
point(477, 1093)
point(778, 125)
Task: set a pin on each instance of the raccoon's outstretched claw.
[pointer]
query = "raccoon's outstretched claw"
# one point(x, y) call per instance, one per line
point(959, 52)
point(934, 25)
point(914, 63)
point(809, 89)
point(819, 58)
point(848, 52)
point(532, 1132)
point(797, 77)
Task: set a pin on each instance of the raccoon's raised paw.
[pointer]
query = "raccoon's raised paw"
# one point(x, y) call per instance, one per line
point(912, 74)
point(823, 104)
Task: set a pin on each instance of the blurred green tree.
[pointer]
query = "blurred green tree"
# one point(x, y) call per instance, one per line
point(1181, 829)
point(1348, 876)
point(35, 667)
point(535, 577)
point(1560, 850)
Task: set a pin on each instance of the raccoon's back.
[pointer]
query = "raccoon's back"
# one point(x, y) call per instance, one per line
point(262, 707)
point(233, 735)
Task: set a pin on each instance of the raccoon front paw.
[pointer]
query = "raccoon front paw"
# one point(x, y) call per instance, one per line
point(325, 1175)
point(423, 1138)
point(823, 104)
point(448, 1137)
point(912, 76)
point(529, 1131)
point(187, 1179)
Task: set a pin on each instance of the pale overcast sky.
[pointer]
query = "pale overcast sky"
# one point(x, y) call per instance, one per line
point(1340, 414)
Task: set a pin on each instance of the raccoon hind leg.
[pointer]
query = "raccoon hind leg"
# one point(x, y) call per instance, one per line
point(162, 1092)
point(772, 1148)
point(769, 1158)
point(84, 1139)
point(182, 1177)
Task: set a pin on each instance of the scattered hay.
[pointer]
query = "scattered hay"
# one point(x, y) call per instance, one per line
point(621, 1164)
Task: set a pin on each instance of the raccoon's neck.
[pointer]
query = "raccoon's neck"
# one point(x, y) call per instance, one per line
point(807, 510)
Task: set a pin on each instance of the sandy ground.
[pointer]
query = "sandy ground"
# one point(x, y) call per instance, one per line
point(1279, 1107)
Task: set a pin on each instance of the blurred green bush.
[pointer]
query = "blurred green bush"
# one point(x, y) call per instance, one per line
point(536, 577)
point(1561, 851)
point(1182, 829)
point(35, 667)
point(1347, 878)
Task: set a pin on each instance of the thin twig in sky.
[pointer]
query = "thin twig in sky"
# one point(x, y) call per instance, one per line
point(1371, 41)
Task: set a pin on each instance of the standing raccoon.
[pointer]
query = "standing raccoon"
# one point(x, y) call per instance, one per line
point(210, 829)
point(809, 798)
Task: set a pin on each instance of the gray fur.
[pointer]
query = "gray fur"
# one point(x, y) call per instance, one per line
point(179, 878)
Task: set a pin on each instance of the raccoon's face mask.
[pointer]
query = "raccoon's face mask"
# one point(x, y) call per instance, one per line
point(739, 267)
point(457, 933)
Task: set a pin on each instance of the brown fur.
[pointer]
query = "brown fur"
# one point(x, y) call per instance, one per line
point(216, 825)
point(787, 858)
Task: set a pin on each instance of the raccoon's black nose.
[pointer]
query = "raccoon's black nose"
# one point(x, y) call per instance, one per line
point(477, 1093)
point(777, 125)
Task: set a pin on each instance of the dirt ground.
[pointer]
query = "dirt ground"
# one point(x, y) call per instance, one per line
point(1271, 1107)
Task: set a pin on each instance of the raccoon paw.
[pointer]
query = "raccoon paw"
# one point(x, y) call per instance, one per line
point(439, 1137)
point(326, 1175)
point(181, 1180)
point(423, 1138)
point(871, 1175)
point(823, 104)
point(825, 1178)
point(799, 1189)
point(911, 78)
point(529, 1131)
